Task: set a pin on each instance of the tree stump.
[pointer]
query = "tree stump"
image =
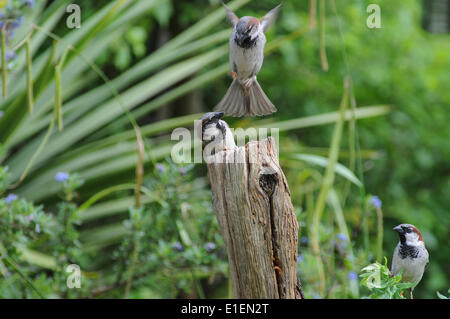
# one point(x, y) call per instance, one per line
point(251, 199)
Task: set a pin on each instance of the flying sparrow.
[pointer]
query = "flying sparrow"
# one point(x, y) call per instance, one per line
point(215, 134)
point(245, 96)
point(410, 255)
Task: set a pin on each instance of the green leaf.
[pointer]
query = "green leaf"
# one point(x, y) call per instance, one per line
point(441, 296)
point(323, 162)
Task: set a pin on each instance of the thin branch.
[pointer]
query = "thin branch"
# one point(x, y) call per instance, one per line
point(322, 44)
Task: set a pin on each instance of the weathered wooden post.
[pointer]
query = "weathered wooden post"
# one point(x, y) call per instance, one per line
point(251, 199)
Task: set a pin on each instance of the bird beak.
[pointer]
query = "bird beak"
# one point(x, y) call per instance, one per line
point(398, 229)
point(218, 115)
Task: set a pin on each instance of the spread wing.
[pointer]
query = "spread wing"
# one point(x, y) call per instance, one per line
point(232, 17)
point(270, 18)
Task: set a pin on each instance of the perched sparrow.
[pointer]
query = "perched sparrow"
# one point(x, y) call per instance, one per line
point(410, 255)
point(245, 96)
point(215, 134)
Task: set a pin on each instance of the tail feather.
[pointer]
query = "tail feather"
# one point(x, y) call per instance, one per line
point(236, 99)
point(233, 102)
point(240, 101)
point(259, 102)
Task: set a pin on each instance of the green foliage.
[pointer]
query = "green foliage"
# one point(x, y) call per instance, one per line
point(377, 278)
point(183, 244)
point(24, 226)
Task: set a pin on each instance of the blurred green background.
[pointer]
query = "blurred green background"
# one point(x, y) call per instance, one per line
point(74, 196)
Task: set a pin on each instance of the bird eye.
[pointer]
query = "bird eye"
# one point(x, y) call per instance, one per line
point(408, 230)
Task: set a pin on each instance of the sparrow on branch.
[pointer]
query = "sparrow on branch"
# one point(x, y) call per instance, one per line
point(215, 134)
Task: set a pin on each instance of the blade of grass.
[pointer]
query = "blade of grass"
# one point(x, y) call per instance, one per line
point(36, 152)
point(331, 117)
point(111, 207)
point(58, 95)
point(322, 44)
point(37, 258)
point(16, 268)
point(139, 179)
point(3, 57)
point(29, 76)
point(105, 192)
point(333, 199)
point(327, 184)
point(323, 162)
point(312, 13)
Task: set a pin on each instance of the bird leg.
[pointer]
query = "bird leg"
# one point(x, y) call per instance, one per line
point(411, 293)
point(247, 83)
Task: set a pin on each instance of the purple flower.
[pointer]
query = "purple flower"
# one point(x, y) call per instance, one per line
point(177, 246)
point(376, 202)
point(29, 3)
point(160, 168)
point(182, 171)
point(210, 247)
point(342, 237)
point(11, 198)
point(299, 259)
point(304, 239)
point(17, 22)
point(352, 275)
point(29, 218)
point(61, 177)
point(10, 55)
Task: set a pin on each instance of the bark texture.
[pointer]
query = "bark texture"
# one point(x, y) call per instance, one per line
point(251, 199)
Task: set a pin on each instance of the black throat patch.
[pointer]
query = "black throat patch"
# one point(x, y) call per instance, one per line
point(247, 43)
point(407, 251)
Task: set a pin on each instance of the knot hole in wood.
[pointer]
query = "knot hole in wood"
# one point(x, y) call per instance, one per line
point(268, 180)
